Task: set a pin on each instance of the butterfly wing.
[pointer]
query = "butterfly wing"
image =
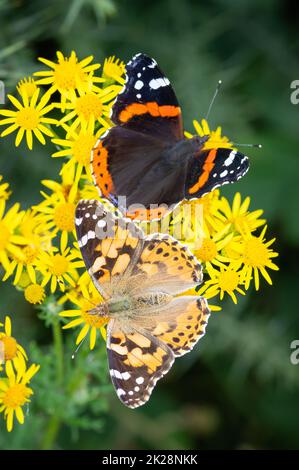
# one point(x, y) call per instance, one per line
point(137, 360)
point(129, 163)
point(181, 323)
point(148, 103)
point(109, 245)
point(167, 265)
point(210, 169)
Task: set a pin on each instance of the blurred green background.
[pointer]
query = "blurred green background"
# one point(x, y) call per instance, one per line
point(238, 388)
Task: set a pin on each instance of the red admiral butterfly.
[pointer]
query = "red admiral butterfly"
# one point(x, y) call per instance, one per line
point(145, 156)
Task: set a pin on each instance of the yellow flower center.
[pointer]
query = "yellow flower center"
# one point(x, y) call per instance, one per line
point(27, 86)
point(228, 280)
point(4, 236)
point(30, 254)
point(207, 250)
point(82, 148)
point(88, 106)
point(255, 253)
point(67, 74)
point(64, 216)
point(28, 118)
point(34, 294)
point(10, 347)
point(16, 396)
point(60, 265)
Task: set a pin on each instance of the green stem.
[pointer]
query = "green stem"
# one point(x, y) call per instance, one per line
point(58, 347)
point(55, 421)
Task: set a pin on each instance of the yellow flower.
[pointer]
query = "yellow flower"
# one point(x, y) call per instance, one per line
point(67, 75)
point(10, 242)
point(256, 255)
point(34, 294)
point(13, 352)
point(216, 140)
point(78, 149)
point(208, 248)
point(226, 280)
point(4, 191)
point(90, 108)
point(90, 323)
point(238, 216)
point(114, 69)
point(27, 86)
point(14, 394)
point(59, 266)
point(29, 118)
point(57, 211)
point(37, 240)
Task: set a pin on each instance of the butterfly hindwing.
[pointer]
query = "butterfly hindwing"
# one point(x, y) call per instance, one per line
point(137, 360)
point(182, 323)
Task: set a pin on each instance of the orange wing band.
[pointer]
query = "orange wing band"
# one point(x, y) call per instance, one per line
point(101, 173)
point(207, 168)
point(152, 108)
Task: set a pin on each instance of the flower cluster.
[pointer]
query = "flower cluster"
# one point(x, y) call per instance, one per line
point(68, 104)
point(15, 376)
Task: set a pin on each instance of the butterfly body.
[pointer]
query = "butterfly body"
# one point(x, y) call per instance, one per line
point(140, 279)
point(145, 156)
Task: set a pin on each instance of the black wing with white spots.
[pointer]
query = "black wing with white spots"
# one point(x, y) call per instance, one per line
point(148, 103)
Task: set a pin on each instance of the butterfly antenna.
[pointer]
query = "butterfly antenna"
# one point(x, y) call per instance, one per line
point(213, 99)
point(259, 146)
point(78, 347)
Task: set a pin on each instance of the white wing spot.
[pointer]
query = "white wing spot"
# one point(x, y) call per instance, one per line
point(78, 220)
point(138, 96)
point(230, 158)
point(126, 375)
point(139, 380)
point(138, 85)
point(101, 223)
point(223, 174)
point(156, 83)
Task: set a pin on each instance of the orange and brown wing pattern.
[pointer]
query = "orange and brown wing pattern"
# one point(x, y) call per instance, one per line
point(109, 245)
point(169, 266)
point(182, 323)
point(137, 360)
